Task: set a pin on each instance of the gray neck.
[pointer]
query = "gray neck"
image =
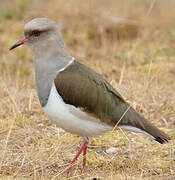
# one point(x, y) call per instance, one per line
point(47, 66)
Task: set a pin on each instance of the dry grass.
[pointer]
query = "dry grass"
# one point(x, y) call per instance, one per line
point(131, 43)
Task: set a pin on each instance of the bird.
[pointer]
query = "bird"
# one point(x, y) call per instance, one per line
point(75, 97)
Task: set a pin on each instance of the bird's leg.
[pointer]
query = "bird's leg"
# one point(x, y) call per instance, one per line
point(84, 158)
point(83, 149)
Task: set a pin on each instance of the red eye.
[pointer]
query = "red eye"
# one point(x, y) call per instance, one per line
point(36, 33)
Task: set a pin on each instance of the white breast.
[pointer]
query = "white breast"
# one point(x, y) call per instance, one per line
point(72, 119)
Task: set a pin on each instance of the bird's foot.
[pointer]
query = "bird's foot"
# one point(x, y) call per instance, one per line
point(83, 149)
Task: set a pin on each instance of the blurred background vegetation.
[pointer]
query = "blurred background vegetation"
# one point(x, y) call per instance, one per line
point(131, 43)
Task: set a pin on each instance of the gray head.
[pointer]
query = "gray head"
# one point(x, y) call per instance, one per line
point(39, 34)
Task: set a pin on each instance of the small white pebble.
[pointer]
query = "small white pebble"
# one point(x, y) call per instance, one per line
point(112, 150)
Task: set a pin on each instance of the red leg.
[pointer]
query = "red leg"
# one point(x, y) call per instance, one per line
point(84, 158)
point(82, 148)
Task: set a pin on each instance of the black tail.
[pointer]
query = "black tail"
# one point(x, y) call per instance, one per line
point(139, 122)
point(162, 140)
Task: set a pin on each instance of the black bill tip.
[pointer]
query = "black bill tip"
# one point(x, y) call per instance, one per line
point(14, 46)
point(19, 43)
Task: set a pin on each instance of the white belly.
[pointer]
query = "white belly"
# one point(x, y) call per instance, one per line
point(72, 119)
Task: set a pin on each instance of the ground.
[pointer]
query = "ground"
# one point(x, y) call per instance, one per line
point(132, 45)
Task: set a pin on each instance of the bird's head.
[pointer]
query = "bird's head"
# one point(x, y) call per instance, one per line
point(39, 32)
